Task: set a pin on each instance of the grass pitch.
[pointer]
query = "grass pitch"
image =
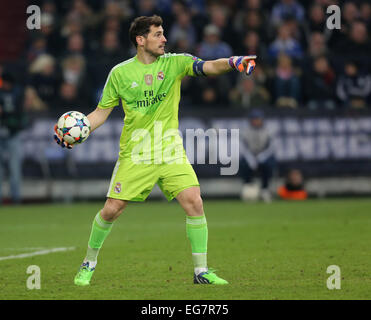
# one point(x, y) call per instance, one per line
point(266, 251)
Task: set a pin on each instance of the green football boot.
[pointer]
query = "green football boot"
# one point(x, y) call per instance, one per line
point(84, 275)
point(208, 277)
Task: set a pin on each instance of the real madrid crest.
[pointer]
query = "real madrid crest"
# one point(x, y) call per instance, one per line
point(148, 79)
point(118, 187)
point(160, 75)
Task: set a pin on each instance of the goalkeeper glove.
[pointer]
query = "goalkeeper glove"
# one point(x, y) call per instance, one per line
point(58, 139)
point(242, 63)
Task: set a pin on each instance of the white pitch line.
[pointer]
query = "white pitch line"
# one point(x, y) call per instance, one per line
point(36, 253)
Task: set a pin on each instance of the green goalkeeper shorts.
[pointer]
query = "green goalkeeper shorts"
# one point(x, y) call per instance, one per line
point(134, 182)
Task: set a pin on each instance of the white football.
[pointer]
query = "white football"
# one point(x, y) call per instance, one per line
point(73, 127)
point(250, 192)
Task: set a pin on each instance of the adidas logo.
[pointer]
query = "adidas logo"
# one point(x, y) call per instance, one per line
point(134, 84)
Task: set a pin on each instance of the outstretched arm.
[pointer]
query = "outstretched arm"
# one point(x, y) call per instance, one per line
point(224, 65)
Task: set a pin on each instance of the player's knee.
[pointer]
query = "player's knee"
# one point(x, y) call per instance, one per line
point(112, 209)
point(196, 204)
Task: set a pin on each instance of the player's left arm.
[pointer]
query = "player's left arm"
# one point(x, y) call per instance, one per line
point(224, 65)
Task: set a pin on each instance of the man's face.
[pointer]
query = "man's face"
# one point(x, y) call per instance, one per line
point(155, 41)
point(256, 122)
point(321, 65)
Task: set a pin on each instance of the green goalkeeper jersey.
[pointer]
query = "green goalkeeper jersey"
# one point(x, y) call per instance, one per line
point(150, 95)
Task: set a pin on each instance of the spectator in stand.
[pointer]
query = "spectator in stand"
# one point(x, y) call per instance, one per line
point(316, 48)
point(12, 121)
point(293, 189)
point(251, 92)
point(317, 19)
point(253, 5)
point(260, 76)
point(37, 47)
point(249, 95)
point(113, 24)
point(180, 43)
point(117, 10)
point(69, 98)
point(252, 45)
point(75, 45)
point(358, 45)
point(74, 72)
point(199, 15)
point(183, 27)
point(145, 8)
point(111, 52)
point(211, 91)
point(73, 69)
point(354, 87)
point(317, 45)
point(316, 23)
point(178, 6)
point(219, 17)
point(250, 20)
point(116, 18)
point(212, 88)
point(83, 12)
point(257, 155)
point(48, 31)
point(71, 26)
point(320, 85)
point(104, 59)
point(286, 83)
point(212, 47)
point(365, 14)
point(198, 7)
point(44, 78)
point(209, 29)
point(350, 14)
point(110, 24)
point(49, 7)
point(80, 20)
point(297, 31)
point(164, 7)
point(32, 101)
point(209, 96)
point(285, 43)
point(285, 9)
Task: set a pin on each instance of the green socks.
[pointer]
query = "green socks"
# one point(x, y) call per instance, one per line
point(196, 228)
point(99, 232)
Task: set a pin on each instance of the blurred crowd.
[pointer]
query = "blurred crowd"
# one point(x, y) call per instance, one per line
point(301, 63)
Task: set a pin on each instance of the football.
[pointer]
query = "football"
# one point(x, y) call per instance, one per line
point(73, 127)
point(250, 192)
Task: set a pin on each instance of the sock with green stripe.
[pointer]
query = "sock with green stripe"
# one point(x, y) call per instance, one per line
point(196, 228)
point(99, 232)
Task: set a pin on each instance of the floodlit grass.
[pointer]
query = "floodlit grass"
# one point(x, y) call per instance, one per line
point(266, 251)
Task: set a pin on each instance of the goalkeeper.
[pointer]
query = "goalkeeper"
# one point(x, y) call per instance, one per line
point(149, 88)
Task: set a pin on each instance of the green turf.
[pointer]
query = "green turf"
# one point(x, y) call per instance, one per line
point(266, 251)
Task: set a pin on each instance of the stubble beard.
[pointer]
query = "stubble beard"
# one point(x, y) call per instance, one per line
point(153, 53)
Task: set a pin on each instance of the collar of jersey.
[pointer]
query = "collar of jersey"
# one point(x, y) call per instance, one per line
point(144, 64)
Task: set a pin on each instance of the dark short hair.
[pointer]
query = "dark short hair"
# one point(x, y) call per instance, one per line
point(256, 114)
point(141, 25)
